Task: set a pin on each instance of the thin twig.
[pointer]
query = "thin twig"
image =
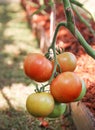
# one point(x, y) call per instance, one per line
point(73, 29)
point(83, 20)
point(77, 3)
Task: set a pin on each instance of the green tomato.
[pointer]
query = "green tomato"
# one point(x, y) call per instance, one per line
point(58, 110)
point(83, 91)
point(40, 104)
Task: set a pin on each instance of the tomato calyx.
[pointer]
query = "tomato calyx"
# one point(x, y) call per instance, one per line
point(41, 87)
point(48, 55)
point(59, 50)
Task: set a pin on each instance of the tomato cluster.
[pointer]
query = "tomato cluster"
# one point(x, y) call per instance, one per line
point(65, 87)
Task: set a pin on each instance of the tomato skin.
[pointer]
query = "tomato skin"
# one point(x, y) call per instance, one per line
point(59, 109)
point(38, 67)
point(67, 61)
point(40, 104)
point(83, 91)
point(44, 123)
point(66, 87)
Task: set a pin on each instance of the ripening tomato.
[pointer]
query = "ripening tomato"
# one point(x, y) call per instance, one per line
point(38, 67)
point(40, 104)
point(83, 91)
point(59, 109)
point(67, 61)
point(66, 87)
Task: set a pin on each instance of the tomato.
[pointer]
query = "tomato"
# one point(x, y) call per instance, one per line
point(40, 104)
point(67, 61)
point(38, 67)
point(66, 87)
point(59, 109)
point(44, 123)
point(83, 91)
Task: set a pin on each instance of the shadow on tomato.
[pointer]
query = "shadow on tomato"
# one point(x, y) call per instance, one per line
point(59, 109)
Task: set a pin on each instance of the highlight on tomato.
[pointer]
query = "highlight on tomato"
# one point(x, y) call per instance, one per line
point(66, 87)
point(67, 61)
point(37, 67)
point(83, 91)
point(59, 110)
point(40, 104)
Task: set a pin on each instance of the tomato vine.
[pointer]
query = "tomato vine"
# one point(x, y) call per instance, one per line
point(70, 25)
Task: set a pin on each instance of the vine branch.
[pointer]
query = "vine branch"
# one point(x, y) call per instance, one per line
point(54, 49)
point(73, 29)
point(69, 16)
point(77, 3)
point(70, 25)
point(84, 21)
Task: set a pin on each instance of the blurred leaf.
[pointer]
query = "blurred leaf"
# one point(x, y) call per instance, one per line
point(39, 10)
point(50, 3)
point(43, 7)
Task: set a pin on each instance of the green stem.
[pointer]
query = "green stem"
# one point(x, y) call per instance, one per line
point(73, 29)
point(92, 17)
point(54, 53)
point(85, 45)
point(37, 90)
point(55, 34)
point(69, 15)
point(42, 89)
point(53, 48)
point(76, 3)
point(82, 6)
point(84, 21)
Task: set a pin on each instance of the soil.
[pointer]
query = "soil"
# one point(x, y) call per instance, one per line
point(85, 64)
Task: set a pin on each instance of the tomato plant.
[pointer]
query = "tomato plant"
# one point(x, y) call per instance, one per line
point(67, 61)
point(66, 87)
point(40, 104)
point(59, 109)
point(38, 67)
point(83, 91)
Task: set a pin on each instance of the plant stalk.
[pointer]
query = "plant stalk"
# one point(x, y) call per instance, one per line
point(73, 29)
point(69, 15)
point(54, 49)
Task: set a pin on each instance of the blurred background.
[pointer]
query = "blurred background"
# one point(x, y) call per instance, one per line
point(16, 41)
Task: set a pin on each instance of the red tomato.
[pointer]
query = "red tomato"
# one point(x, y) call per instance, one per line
point(38, 67)
point(67, 61)
point(44, 123)
point(66, 87)
point(40, 104)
